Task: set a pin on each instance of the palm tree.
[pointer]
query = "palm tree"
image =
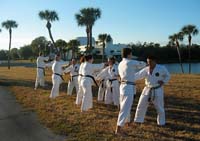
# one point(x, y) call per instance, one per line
point(174, 39)
point(73, 45)
point(190, 30)
point(61, 44)
point(49, 16)
point(87, 17)
point(9, 24)
point(104, 38)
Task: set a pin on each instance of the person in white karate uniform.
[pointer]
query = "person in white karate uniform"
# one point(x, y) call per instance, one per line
point(127, 69)
point(110, 75)
point(79, 95)
point(73, 81)
point(155, 77)
point(40, 70)
point(87, 81)
point(57, 79)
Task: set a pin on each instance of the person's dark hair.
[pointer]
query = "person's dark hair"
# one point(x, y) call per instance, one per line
point(82, 59)
point(126, 52)
point(152, 57)
point(88, 57)
point(112, 59)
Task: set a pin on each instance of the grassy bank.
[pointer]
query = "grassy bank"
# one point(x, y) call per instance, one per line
point(182, 102)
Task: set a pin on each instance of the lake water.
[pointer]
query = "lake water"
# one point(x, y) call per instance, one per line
point(175, 68)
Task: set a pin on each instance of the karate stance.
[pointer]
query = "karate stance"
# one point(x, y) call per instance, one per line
point(110, 75)
point(57, 78)
point(79, 95)
point(73, 82)
point(40, 70)
point(155, 77)
point(87, 81)
point(127, 69)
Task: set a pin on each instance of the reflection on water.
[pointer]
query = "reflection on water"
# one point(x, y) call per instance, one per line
point(175, 68)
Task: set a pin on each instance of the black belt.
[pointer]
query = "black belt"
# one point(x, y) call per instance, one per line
point(111, 80)
point(59, 75)
point(73, 77)
point(152, 93)
point(42, 69)
point(91, 78)
point(128, 82)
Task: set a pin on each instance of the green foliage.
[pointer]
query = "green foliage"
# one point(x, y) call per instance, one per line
point(14, 53)
point(3, 54)
point(39, 44)
point(26, 52)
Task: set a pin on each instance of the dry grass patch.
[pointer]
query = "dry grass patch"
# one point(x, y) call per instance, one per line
point(182, 102)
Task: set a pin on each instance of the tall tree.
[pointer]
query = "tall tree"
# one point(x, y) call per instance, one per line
point(62, 44)
point(190, 30)
point(38, 45)
point(49, 16)
point(87, 17)
point(174, 39)
point(104, 38)
point(73, 45)
point(9, 25)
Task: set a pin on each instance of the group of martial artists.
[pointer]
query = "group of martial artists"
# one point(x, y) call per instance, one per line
point(116, 82)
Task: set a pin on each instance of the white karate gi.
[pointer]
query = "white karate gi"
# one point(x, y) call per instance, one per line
point(40, 71)
point(102, 77)
point(127, 70)
point(110, 75)
point(56, 77)
point(86, 83)
point(79, 95)
point(73, 82)
point(159, 73)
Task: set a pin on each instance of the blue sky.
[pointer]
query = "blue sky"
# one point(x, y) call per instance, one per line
point(125, 20)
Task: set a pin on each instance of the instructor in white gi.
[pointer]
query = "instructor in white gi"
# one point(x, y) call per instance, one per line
point(155, 77)
point(127, 69)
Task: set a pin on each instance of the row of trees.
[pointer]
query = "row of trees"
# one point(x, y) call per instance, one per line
point(85, 17)
point(188, 31)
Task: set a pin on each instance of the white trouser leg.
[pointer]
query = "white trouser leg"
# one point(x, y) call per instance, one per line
point(125, 109)
point(159, 105)
point(116, 95)
point(70, 87)
point(87, 96)
point(79, 95)
point(101, 93)
point(56, 84)
point(141, 108)
point(108, 96)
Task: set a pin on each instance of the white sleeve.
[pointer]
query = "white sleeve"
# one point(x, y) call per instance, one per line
point(64, 63)
point(166, 75)
point(141, 74)
point(48, 65)
point(103, 74)
point(46, 58)
point(68, 69)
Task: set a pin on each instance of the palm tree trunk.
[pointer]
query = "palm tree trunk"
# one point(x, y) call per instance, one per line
point(90, 48)
point(189, 61)
point(189, 53)
point(51, 37)
point(10, 37)
point(179, 56)
point(88, 39)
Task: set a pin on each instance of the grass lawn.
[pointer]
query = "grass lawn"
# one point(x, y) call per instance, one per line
point(182, 104)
